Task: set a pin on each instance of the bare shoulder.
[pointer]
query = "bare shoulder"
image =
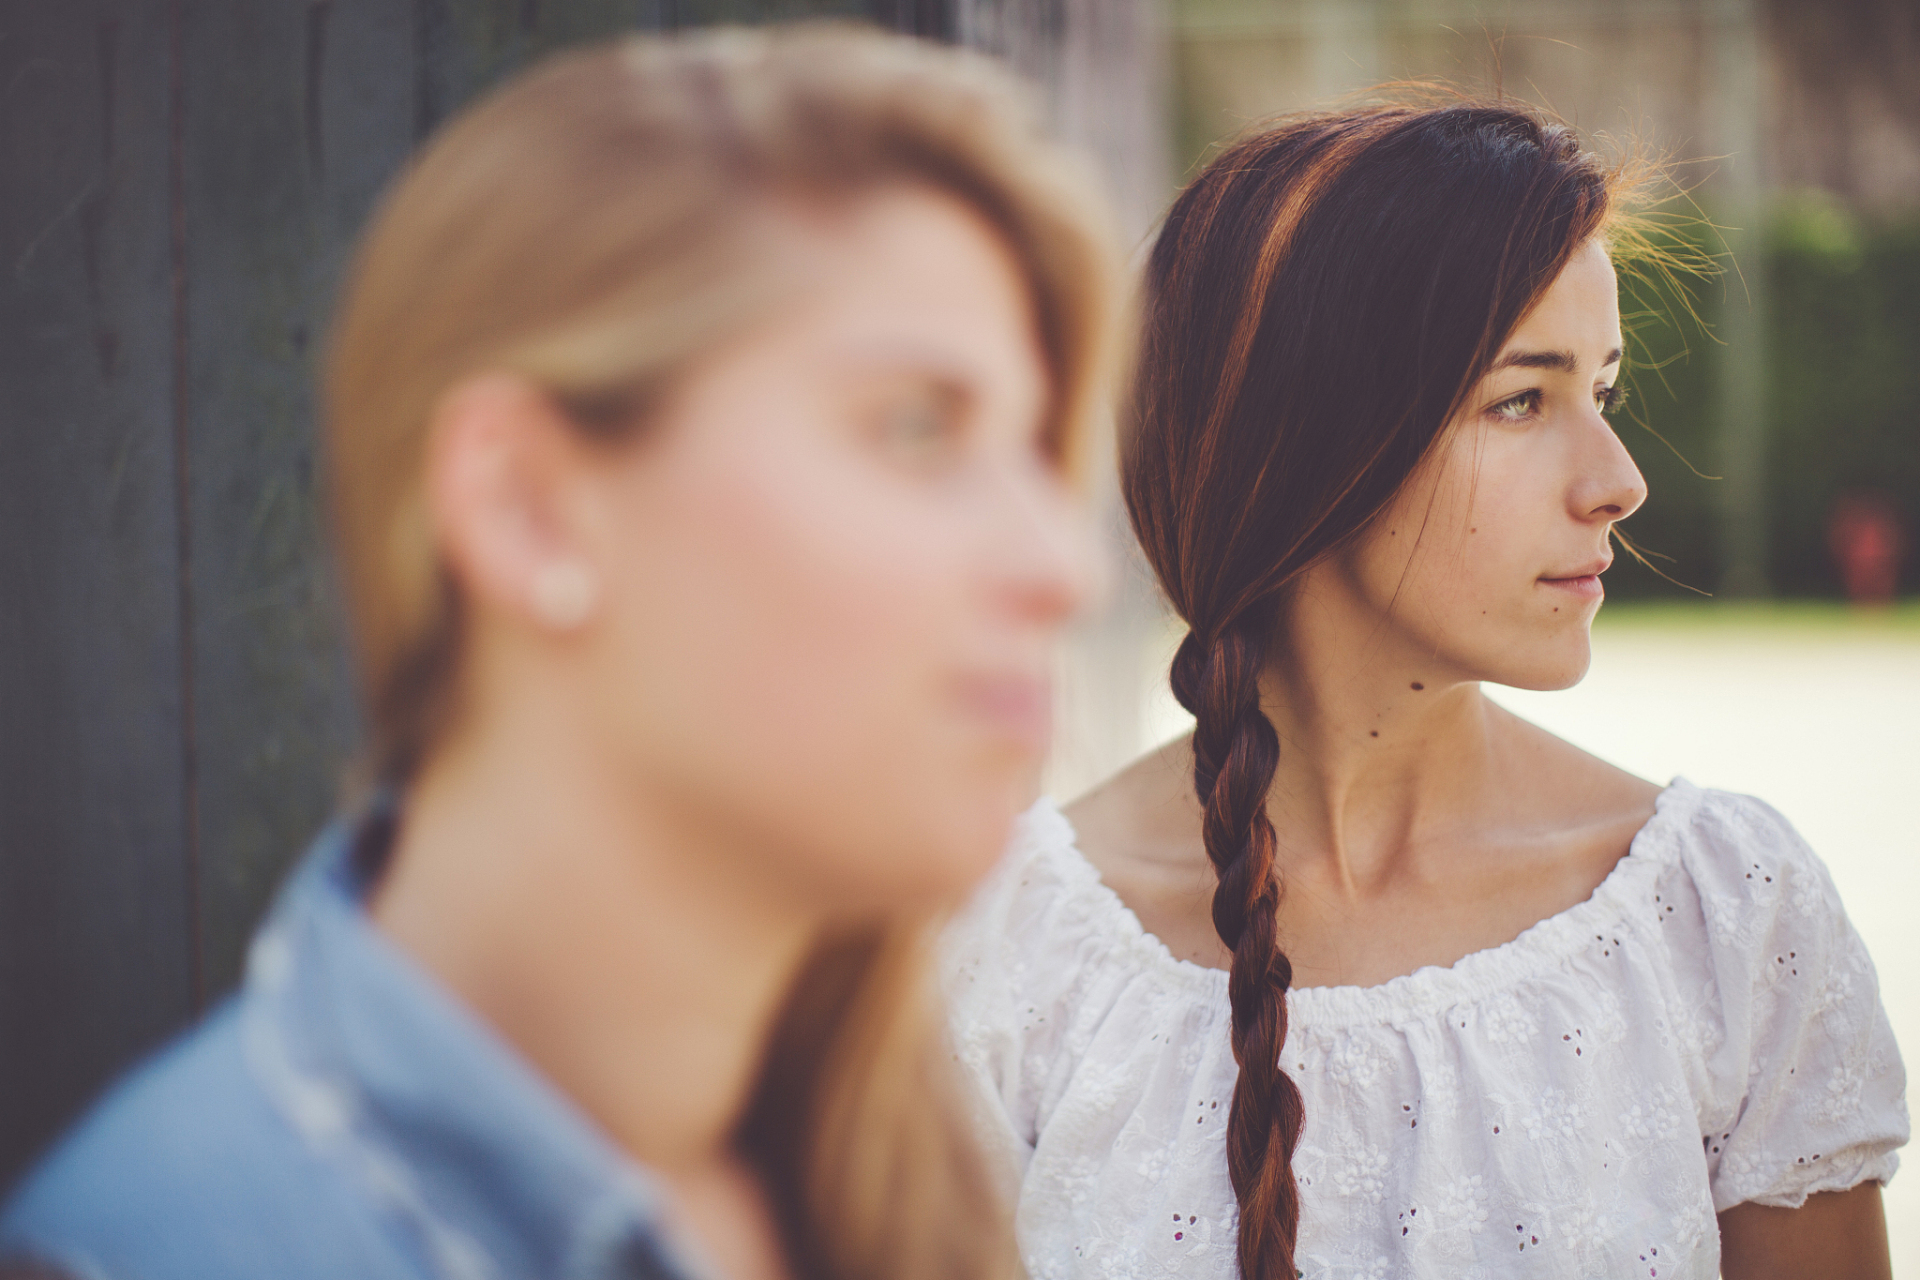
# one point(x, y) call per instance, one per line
point(1556, 787)
point(1140, 808)
point(1141, 831)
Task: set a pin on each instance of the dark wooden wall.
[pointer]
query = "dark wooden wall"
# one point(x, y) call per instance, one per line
point(179, 184)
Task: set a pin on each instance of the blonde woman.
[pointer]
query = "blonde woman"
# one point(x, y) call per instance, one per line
point(702, 418)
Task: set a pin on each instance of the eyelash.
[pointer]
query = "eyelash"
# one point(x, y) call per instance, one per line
point(1609, 398)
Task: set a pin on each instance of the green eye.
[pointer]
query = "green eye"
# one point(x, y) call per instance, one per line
point(1517, 408)
point(1610, 398)
point(920, 429)
point(916, 424)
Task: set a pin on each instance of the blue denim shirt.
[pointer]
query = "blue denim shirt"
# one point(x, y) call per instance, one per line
point(341, 1116)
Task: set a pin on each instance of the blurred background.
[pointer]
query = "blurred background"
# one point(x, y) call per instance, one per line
point(181, 180)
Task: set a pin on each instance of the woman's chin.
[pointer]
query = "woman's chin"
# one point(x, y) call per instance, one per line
point(1546, 672)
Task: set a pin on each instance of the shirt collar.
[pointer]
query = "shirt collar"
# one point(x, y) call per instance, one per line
point(385, 1073)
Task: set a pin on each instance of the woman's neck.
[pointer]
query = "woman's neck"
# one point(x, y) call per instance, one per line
point(1382, 746)
point(611, 936)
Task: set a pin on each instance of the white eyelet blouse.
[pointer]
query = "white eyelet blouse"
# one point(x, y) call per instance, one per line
point(1704, 1030)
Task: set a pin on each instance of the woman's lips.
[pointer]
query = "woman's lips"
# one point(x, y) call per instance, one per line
point(1586, 585)
point(1017, 707)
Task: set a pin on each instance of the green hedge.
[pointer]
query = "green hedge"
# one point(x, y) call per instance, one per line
point(1842, 397)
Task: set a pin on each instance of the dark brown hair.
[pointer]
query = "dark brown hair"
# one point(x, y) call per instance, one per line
point(1318, 305)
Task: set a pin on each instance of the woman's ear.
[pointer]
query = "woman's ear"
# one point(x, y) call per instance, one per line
point(506, 491)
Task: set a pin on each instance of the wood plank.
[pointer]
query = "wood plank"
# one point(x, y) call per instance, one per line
point(466, 46)
point(295, 116)
point(94, 901)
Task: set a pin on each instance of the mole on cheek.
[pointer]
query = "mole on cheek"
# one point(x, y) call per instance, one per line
point(1417, 686)
point(1374, 732)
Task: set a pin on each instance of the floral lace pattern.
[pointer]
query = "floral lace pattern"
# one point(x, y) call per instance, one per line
point(1704, 1030)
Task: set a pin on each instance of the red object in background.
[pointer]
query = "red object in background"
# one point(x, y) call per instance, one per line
point(1868, 544)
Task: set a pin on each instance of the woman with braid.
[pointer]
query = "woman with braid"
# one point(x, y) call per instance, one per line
point(1369, 977)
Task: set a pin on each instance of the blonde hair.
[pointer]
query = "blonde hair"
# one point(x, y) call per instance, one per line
point(590, 226)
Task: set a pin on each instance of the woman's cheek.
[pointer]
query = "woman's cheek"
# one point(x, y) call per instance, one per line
point(879, 599)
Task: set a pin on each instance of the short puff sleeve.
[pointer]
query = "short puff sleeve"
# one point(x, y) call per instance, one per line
point(1807, 1090)
point(1011, 968)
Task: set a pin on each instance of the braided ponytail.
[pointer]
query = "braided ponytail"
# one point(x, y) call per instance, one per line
point(1235, 752)
point(1319, 303)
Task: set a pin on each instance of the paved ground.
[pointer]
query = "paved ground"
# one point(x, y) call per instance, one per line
point(1817, 710)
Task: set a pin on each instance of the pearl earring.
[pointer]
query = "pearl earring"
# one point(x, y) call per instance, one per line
point(564, 593)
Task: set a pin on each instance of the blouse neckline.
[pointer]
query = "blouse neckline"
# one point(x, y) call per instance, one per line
point(1430, 989)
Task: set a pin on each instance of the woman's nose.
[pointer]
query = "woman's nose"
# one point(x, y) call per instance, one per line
point(1047, 561)
point(1611, 486)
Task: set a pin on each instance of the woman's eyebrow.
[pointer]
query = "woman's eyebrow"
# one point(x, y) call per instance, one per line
point(913, 359)
point(1561, 361)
